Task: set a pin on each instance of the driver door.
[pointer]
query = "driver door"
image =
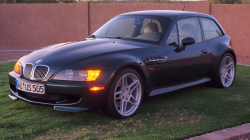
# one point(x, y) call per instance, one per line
point(191, 63)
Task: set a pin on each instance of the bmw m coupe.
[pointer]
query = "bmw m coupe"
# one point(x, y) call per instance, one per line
point(134, 55)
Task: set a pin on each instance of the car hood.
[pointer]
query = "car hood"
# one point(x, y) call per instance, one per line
point(64, 54)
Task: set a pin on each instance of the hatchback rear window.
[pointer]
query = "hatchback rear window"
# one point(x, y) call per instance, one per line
point(211, 29)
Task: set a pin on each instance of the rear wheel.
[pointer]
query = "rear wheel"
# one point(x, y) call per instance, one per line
point(226, 71)
point(125, 94)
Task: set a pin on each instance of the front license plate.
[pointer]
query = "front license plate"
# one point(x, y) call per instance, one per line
point(29, 87)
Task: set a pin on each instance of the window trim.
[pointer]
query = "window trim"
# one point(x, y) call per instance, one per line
point(164, 44)
point(223, 34)
point(175, 24)
point(202, 31)
point(159, 42)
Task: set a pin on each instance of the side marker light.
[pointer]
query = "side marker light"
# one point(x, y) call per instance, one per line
point(150, 68)
point(96, 88)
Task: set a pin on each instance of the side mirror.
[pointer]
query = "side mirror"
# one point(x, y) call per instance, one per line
point(187, 41)
point(172, 44)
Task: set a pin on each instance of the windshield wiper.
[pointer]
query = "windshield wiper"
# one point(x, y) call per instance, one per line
point(92, 36)
point(118, 37)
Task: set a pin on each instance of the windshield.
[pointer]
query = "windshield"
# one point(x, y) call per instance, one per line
point(138, 28)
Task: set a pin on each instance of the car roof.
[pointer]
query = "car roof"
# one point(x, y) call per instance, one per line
point(165, 13)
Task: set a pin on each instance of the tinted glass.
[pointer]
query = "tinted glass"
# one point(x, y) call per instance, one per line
point(137, 28)
point(211, 30)
point(189, 27)
point(119, 28)
point(173, 37)
point(146, 21)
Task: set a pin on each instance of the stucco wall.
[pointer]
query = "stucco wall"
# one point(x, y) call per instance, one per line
point(44, 24)
point(235, 19)
point(101, 13)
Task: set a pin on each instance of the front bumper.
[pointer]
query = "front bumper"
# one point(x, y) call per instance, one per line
point(64, 95)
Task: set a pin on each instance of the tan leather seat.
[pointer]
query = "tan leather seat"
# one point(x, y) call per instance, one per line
point(150, 28)
point(149, 32)
point(187, 30)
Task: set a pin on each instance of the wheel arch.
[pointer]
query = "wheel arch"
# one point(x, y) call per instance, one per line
point(217, 61)
point(216, 84)
point(139, 69)
point(227, 51)
point(231, 52)
point(136, 67)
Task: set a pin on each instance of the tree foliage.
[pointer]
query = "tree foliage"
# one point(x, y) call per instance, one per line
point(127, 1)
point(225, 1)
point(37, 1)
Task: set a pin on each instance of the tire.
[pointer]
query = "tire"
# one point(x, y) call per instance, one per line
point(225, 73)
point(127, 94)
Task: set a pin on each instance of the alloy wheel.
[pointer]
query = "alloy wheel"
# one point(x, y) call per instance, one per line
point(127, 94)
point(227, 71)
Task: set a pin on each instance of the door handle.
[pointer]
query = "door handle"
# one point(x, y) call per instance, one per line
point(204, 51)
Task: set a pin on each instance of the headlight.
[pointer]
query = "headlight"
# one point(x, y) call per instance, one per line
point(18, 68)
point(77, 75)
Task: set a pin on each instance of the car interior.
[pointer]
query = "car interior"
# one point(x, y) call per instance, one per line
point(150, 32)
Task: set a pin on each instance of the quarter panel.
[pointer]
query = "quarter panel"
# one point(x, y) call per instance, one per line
point(218, 48)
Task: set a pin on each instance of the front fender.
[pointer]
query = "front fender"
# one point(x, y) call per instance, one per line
point(110, 62)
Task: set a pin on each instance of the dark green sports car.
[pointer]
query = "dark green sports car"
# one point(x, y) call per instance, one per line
point(133, 55)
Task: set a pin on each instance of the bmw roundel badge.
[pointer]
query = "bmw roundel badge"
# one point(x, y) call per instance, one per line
point(39, 61)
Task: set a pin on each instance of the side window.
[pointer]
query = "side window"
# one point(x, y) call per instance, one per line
point(211, 30)
point(173, 37)
point(189, 27)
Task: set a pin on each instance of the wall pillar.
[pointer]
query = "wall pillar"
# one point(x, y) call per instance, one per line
point(203, 7)
point(82, 11)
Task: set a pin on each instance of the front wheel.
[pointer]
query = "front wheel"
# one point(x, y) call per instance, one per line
point(125, 94)
point(226, 71)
